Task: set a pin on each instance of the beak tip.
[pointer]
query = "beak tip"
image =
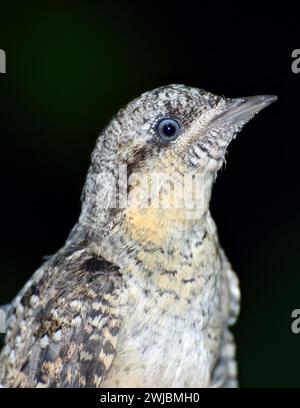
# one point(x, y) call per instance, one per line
point(254, 104)
point(268, 99)
point(241, 110)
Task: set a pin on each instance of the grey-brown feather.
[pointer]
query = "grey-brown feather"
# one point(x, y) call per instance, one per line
point(63, 329)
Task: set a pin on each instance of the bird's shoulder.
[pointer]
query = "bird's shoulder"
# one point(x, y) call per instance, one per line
point(63, 327)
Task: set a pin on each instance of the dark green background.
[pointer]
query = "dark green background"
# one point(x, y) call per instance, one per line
point(72, 65)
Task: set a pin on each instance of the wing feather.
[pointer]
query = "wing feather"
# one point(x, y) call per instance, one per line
point(225, 371)
point(63, 329)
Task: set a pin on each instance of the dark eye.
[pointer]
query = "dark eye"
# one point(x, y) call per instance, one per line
point(168, 129)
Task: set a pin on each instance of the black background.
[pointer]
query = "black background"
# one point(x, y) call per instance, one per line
point(72, 65)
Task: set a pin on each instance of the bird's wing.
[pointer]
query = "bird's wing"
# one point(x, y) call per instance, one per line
point(63, 329)
point(233, 287)
point(4, 309)
point(225, 372)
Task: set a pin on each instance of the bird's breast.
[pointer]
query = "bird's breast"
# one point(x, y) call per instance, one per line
point(171, 320)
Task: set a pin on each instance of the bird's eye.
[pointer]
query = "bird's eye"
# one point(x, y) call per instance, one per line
point(168, 129)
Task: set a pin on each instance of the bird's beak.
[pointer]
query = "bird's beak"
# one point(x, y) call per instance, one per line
point(241, 110)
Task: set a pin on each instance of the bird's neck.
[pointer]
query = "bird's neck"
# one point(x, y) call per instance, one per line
point(153, 243)
point(153, 237)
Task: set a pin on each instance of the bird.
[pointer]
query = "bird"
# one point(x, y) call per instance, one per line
point(142, 293)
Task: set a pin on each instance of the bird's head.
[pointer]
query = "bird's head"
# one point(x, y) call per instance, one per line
point(165, 135)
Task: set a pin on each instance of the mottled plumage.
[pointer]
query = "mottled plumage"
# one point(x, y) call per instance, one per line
point(63, 328)
point(140, 295)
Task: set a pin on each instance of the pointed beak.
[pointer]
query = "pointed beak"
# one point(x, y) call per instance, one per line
point(241, 110)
